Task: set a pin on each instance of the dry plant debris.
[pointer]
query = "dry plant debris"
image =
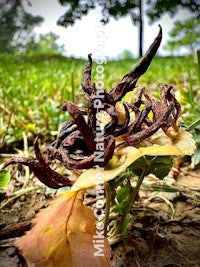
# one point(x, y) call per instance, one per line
point(76, 145)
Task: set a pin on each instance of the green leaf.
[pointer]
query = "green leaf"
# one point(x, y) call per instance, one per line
point(160, 188)
point(123, 208)
point(195, 158)
point(139, 165)
point(159, 165)
point(4, 178)
point(193, 125)
point(124, 226)
point(122, 194)
point(198, 65)
point(52, 191)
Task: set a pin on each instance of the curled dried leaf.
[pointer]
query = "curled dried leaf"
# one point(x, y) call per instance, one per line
point(41, 169)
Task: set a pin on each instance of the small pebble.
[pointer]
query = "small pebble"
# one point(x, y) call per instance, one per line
point(11, 251)
point(22, 198)
point(17, 205)
point(177, 229)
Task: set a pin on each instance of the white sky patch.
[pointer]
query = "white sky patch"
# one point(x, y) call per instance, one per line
point(79, 39)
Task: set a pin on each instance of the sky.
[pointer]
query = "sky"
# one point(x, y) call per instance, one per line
point(83, 37)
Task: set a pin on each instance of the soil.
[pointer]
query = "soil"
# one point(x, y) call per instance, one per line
point(164, 229)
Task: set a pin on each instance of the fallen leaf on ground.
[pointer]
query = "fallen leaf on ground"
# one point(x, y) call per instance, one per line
point(63, 236)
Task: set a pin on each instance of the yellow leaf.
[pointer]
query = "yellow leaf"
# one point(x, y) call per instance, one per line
point(182, 144)
point(63, 236)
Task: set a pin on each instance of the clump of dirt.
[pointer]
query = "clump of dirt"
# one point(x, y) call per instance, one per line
point(164, 229)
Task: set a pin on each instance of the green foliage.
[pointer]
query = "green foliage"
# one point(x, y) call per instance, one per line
point(185, 34)
point(198, 66)
point(173, 69)
point(195, 129)
point(15, 25)
point(156, 9)
point(123, 194)
point(159, 188)
point(33, 89)
point(196, 156)
point(117, 9)
point(126, 54)
point(122, 208)
point(194, 111)
point(44, 44)
point(32, 92)
point(159, 166)
point(77, 9)
point(4, 178)
point(190, 99)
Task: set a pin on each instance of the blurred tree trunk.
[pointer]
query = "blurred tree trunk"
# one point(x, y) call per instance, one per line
point(137, 19)
point(140, 28)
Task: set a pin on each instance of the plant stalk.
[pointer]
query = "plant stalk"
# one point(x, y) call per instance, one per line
point(107, 211)
point(138, 184)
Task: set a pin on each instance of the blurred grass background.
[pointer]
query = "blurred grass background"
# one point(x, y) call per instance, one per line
point(33, 89)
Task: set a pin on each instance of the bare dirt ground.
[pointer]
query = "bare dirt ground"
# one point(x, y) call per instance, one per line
point(164, 230)
point(162, 233)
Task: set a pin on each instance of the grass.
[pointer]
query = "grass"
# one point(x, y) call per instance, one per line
point(33, 89)
point(32, 92)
